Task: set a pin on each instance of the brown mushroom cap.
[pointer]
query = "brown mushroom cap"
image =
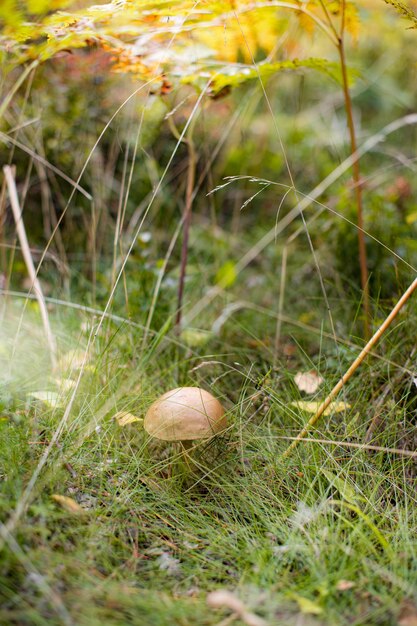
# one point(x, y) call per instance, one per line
point(184, 414)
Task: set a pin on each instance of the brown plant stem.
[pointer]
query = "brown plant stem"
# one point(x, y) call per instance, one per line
point(366, 350)
point(363, 262)
point(189, 196)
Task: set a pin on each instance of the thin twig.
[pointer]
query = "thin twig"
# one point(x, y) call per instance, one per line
point(36, 286)
point(364, 353)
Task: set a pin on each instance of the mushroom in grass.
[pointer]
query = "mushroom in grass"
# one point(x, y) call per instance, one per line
point(185, 414)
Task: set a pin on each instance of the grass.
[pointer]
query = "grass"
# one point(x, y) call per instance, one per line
point(324, 537)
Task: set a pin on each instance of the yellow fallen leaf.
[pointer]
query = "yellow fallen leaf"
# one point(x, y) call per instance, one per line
point(307, 606)
point(308, 381)
point(48, 397)
point(311, 407)
point(195, 338)
point(226, 275)
point(124, 418)
point(344, 585)
point(68, 504)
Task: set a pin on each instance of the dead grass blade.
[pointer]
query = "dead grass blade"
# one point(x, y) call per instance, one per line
point(36, 286)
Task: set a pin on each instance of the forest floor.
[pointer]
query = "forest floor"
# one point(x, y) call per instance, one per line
point(103, 525)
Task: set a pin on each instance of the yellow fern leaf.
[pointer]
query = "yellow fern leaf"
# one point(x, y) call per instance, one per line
point(352, 20)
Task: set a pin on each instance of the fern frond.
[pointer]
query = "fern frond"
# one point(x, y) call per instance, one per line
point(405, 10)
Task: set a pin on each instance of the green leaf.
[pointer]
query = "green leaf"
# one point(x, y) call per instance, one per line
point(411, 218)
point(226, 275)
point(343, 487)
point(307, 606)
point(195, 337)
point(234, 75)
point(48, 397)
point(10, 15)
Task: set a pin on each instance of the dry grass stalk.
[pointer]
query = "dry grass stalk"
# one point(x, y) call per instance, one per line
point(21, 233)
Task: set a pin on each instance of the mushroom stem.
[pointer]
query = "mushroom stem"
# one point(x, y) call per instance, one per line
point(186, 447)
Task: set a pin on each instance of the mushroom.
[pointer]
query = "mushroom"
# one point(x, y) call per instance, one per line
point(185, 414)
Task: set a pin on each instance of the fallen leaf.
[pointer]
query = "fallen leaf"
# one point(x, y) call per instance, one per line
point(308, 381)
point(68, 504)
point(222, 598)
point(48, 397)
point(226, 275)
point(342, 485)
point(289, 349)
point(312, 406)
point(123, 418)
point(307, 606)
point(195, 338)
point(344, 585)
point(225, 599)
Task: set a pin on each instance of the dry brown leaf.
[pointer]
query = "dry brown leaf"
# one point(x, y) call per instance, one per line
point(68, 504)
point(124, 418)
point(308, 381)
point(289, 349)
point(312, 407)
point(345, 585)
point(225, 599)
